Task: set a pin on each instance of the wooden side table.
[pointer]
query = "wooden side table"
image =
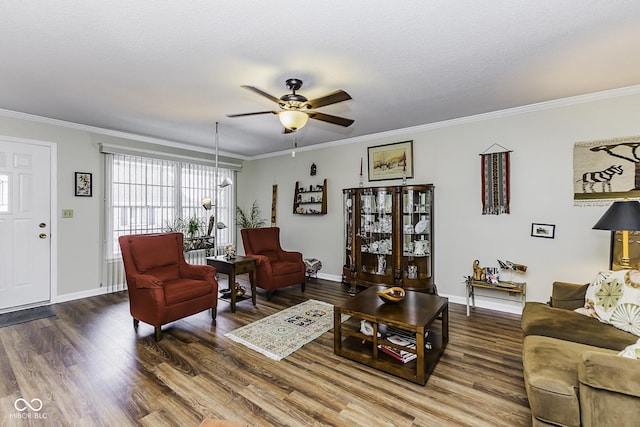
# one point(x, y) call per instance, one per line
point(233, 267)
point(511, 287)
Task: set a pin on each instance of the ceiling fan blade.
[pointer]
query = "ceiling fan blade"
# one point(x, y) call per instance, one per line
point(332, 98)
point(261, 93)
point(251, 114)
point(341, 121)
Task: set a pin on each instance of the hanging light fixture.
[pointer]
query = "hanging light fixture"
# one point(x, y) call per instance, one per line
point(293, 119)
point(295, 145)
point(215, 197)
point(225, 182)
point(207, 203)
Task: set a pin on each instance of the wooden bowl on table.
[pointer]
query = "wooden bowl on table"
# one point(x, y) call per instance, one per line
point(392, 295)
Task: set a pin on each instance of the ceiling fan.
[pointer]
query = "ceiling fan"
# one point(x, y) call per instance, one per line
point(296, 110)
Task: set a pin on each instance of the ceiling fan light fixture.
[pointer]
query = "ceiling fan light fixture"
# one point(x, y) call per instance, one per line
point(293, 119)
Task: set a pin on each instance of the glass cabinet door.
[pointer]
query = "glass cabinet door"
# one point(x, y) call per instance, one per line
point(416, 237)
point(376, 228)
point(347, 203)
point(349, 269)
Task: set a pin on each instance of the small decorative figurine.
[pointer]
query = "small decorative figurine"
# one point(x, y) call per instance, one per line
point(479, 273)
point(230, 251)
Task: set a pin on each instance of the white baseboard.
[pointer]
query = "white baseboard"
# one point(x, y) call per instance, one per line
point(84, 294)
point(505, 308)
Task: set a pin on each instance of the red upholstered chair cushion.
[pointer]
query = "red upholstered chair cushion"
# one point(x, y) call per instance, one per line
point(264, 243)
point(157, 255)
point(180, 290)
point(285, 267)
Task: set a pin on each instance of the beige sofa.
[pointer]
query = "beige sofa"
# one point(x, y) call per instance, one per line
point(572, 372)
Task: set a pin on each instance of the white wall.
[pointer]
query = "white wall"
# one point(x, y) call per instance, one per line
point(447, 155)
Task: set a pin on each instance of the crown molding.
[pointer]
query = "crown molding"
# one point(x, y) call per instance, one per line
point(563, 102)
point(114, 133)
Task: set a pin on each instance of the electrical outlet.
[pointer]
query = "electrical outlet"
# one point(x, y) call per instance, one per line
point(67, 213)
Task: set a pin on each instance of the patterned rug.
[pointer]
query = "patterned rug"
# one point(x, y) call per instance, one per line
point(282, 333)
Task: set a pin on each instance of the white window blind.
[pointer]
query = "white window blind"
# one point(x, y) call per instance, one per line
point(149, 195)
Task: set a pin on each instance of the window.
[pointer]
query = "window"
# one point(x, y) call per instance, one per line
point(148, 195)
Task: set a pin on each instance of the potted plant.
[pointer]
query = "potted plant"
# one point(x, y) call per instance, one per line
point(249, 218)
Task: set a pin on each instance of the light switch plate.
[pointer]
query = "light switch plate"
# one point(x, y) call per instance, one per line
point(67, 213)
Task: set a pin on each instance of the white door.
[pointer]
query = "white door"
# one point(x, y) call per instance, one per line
point(25, 224)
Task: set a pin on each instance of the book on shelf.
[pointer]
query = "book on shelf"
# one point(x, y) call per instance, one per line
point(394, 333)
point(401, 355)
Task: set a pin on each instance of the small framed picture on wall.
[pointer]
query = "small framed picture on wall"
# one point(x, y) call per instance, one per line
point(83, 184)
point(547, 231)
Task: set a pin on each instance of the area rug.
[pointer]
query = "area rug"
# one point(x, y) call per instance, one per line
point(282, 333)
point(27, 315)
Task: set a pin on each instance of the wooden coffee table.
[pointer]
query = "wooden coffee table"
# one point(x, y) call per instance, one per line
point(233, 267)
point(415, 314)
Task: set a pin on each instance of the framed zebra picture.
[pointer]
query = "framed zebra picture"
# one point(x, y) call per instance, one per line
point(605, 170)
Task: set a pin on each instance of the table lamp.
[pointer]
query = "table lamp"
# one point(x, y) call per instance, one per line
point(621, 216)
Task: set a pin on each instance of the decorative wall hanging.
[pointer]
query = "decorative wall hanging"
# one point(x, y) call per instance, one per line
point(83, 184)
point(391, 161)
point(274, 196)
point(605, 170)
point(495, 181)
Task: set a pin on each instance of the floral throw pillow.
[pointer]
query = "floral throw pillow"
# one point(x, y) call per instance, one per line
point(632, 351)
point(615, 297)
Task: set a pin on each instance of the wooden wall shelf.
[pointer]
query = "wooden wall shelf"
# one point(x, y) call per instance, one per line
point(311, 199)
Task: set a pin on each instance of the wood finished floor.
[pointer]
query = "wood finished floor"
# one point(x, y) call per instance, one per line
point(89, 367)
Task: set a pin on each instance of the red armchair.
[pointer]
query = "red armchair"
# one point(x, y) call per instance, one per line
point(162, 286)
point(276, 268)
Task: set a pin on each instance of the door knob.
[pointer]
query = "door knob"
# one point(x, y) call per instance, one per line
point(43, 235)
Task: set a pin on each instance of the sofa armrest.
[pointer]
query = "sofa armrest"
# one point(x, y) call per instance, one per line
point(568, 295)
point(610, 372)
point(609, 389)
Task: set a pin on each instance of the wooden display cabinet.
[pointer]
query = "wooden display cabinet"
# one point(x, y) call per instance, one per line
point(310, 200)
point(388, 235)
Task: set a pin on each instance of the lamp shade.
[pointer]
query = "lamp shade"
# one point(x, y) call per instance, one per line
point(621, 216)
point(293, 119)
point(206, 203)
point(225, 182)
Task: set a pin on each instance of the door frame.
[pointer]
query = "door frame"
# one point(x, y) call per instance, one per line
point(53, 208)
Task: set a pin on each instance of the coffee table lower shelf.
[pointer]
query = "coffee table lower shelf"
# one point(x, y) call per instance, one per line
point(353, 348)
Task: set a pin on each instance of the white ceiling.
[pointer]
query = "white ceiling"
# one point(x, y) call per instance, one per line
point(172, 69)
